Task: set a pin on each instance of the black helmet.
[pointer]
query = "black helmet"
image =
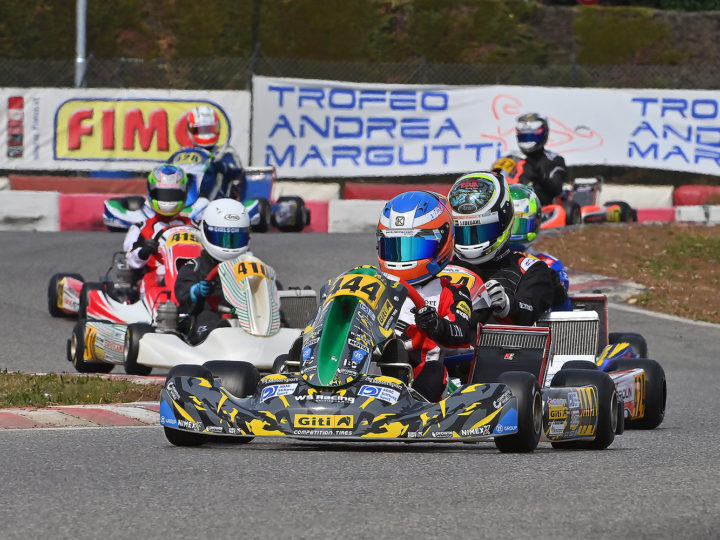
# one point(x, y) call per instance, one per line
point(532, 132)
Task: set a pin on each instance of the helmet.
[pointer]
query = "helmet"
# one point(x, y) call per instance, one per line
point(415, 236)
point(482, 212)
point(167, 188)
point(203, 126)
point(532, 132)
point(225, 229)
point(527, 216)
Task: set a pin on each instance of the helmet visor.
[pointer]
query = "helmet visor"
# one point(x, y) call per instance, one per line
point(533, 137)
point(472, 235)
point(204, 130)
point(407, 248)
point(522, 226)
point(168, 194)
point(227, 237)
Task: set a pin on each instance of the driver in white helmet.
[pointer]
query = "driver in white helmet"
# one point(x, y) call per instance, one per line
point(224, 233)
point(203, 128)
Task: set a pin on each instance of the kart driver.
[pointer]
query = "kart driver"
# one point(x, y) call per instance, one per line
point(224, 234)
point(203, 128)
point(520, 286)
point(524, 232)
point(544, 170)
point(167, 190)
point(414, 243)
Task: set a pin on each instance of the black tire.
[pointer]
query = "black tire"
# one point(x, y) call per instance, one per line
point(607, 406)
point(655, 391)
point(133, 333)
point(237, 377)
point(279, 364)
point(265, 213)
point(579, 364)
point(84, 292)
point(53, 308)
point(636, 341)
point(525, 388)
point(627, 214)
point(573, 215)
point(76, 352)
point(300, 214)
point(180, 437)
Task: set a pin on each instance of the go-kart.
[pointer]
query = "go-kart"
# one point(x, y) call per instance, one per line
point(262, 323)
point(578, 203)
point(343, 389)
point(250, 185)
point(117, 296)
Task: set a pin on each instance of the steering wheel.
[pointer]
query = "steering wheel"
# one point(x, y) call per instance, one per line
point(413, 294)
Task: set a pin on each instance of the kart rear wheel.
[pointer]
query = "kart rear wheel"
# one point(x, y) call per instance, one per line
point(279, 364)
point(579, 364)
point(299, 214)
point(133, 333)
point(524, 386)
point(265, 213)
point(53, 295)
point(76, 352)
point(607, 406)
point(573, 215)
point(627, 213)
point(636, 341)
point(655, 391)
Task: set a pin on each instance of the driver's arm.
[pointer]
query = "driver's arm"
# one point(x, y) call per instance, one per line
point(454, 309)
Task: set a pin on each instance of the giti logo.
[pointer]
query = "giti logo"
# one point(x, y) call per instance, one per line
point(324, 421)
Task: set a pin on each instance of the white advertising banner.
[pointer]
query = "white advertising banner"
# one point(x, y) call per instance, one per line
point(315, 128)
point(109, 129)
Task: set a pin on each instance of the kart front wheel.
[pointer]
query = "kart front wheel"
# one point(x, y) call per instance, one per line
point(291, 214)
point(655, 391)
point(53, 296)
point(133, 334)
point(237, 377)
point(636, 341)
point(524, 386)
point(76, 352)
point(180, 437)
point(607, 406)
point(265, 213)
point(279, 364)
point(627, 213)
point(573, 215)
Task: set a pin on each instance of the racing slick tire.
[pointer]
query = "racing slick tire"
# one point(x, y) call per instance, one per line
point(53, 308)
point(299, 217)
point(627, 213)
point(265, 213)
point(655, 391)
point(524, 386)
point(573, 215)
point(84, 292)
point(279, 364)
point(607, 407)
point(179, 437)
point(636, 341)
point(579, 364)
point(76, 352)
point(133, 333)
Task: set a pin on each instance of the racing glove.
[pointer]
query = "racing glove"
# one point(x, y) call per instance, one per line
point(499, 300)
point(427, 320)
point(200, 289)
point(149, 247)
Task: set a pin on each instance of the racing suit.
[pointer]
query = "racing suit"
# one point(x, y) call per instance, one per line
point(546, 172)
point(453, 305)
point(225, 170)
point(133, 243)
point(531, 286)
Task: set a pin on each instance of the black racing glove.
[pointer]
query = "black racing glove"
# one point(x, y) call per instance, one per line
point(150, 247)
point(427, 320)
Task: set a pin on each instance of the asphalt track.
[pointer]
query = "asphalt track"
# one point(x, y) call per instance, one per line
point(130, 483)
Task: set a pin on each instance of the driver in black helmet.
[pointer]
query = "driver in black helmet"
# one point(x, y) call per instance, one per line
point(544, 170)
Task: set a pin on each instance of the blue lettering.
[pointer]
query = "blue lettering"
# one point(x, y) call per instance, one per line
point(351, 121)
point(335, 100)
point(678, 105)
point(448, 125)
point(676, 151)
point(644, 126)
point(379, 156)
point(313, 153)
point(704, 153)
point(406, 161)
point(402, 100)
point(434, 101)
point(311, 94)
point(371, 96)
point(644, 102)
point(309, 121)
point(478, 147)
point(281, 92)
point(445, 149)
point(282, 123)
point(699, 139)
point(271, 157)
point(352, 153)
point(652, 150)
point(699, 102)
point(415, 128)
point(380, 123)
point(669, 129)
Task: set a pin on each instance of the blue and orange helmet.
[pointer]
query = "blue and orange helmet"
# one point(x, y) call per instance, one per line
point(415, 236)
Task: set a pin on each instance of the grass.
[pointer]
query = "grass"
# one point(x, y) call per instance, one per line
point(31, 390)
